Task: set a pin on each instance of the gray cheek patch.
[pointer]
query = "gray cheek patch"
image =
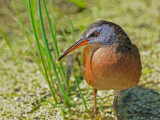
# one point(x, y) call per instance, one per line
point(107, 35)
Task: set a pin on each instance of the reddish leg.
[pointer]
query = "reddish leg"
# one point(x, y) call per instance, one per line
point(95, 94)
point(115, 103)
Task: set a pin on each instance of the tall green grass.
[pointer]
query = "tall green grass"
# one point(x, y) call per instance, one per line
point(52, 71)
point(54, 66)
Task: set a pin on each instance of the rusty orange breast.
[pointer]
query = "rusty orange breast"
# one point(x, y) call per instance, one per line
point(103, 68)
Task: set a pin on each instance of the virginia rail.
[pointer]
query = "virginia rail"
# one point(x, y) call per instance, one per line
point(110, 60)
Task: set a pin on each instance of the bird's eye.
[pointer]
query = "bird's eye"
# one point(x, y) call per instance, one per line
point(95, 34)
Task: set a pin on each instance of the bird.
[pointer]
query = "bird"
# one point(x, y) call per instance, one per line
point(110, 59)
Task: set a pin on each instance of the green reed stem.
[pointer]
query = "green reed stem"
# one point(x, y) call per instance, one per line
point(50, 28)
point(24, 30)
point(9, 45)
point(26, 34)
point(53, 18)
point(55, 47)
point(66, 98)
point(40, 53)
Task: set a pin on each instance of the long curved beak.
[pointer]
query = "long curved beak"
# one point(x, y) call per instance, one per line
point(76, 45)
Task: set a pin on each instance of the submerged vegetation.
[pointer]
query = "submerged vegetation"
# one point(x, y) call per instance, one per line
point(34, 85)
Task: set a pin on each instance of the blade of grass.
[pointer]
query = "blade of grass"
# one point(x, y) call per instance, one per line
point(24, 30)
point(55, 46)
point(26, 34)
point(77, 84)
point(26, 5)
point(47, 65)
point(66, 97)
point(33, 6)
point(40, 53)
point(9, 45)
point(49, 69)
point(51, 31)
point(61, 70)
point(53, 17)
point(55, 31)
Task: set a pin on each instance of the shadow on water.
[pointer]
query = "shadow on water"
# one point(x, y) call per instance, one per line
point(138, 103)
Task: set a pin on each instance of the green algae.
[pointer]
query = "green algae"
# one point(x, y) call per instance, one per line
point(20, 87)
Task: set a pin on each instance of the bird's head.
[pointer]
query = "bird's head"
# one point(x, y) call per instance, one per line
point(100, 32)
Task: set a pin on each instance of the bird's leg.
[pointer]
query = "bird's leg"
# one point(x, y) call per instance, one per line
point(95, 94)
point(115, 103)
